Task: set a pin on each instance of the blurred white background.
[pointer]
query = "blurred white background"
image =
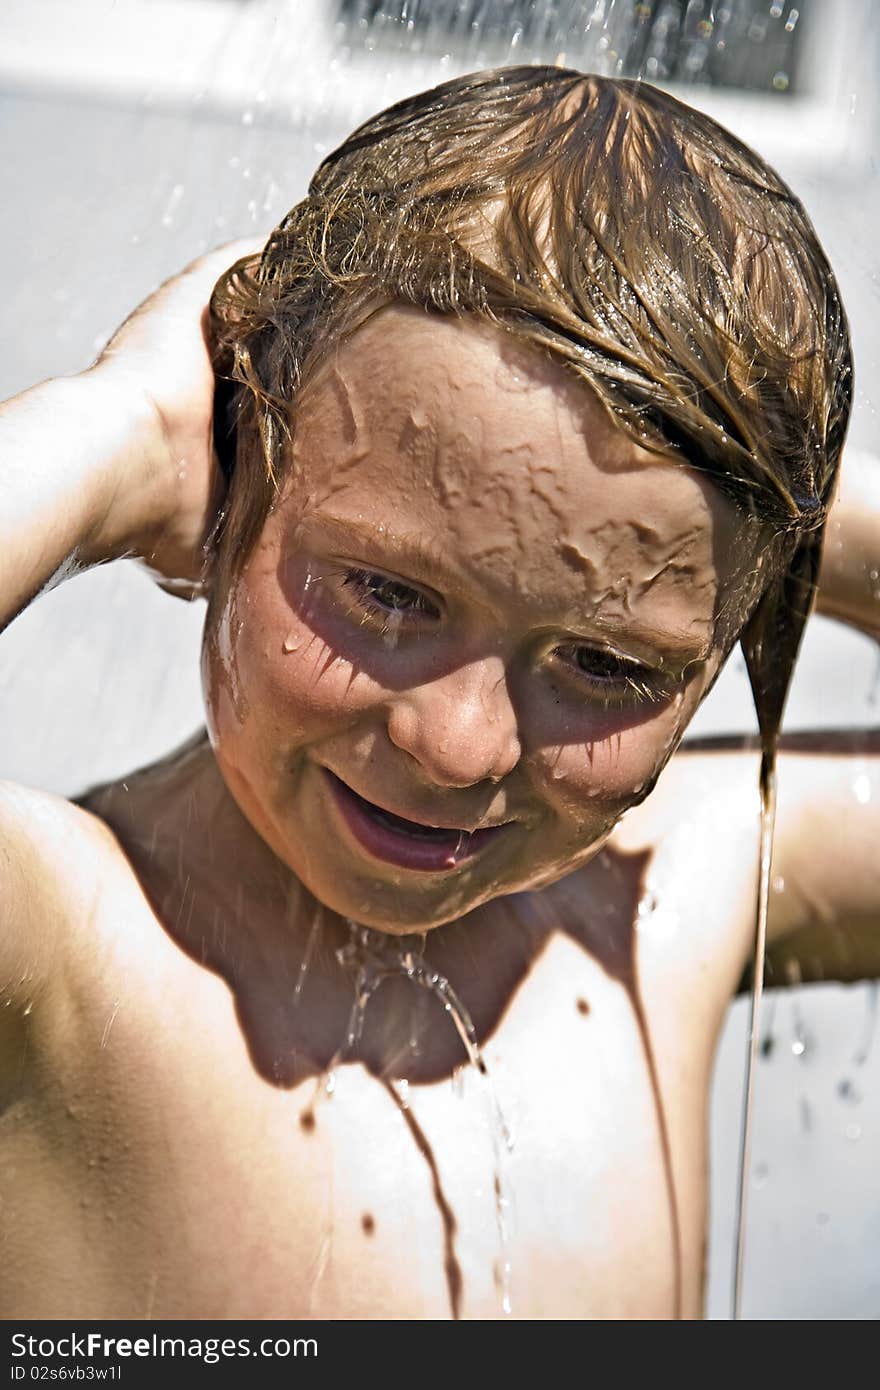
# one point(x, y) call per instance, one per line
point(138, 133)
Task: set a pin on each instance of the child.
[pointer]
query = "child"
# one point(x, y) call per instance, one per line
point(375, 1004)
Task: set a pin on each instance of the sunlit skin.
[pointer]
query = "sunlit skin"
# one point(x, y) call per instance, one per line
point(478, 604)
point(481, 606)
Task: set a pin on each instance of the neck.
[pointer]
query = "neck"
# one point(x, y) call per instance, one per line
point(311, 989)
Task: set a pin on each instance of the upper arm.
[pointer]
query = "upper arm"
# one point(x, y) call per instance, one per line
point(851, 550)
point(824, 916)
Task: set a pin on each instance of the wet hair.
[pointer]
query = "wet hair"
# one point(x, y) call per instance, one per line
point(631, 237)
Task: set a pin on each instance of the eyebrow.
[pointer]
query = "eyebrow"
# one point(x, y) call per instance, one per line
point(424, 559)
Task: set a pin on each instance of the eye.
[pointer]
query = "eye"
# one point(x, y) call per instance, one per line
point(615, 678)
point(384, 595)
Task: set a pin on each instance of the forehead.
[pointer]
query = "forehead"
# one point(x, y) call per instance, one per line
point(459, 431)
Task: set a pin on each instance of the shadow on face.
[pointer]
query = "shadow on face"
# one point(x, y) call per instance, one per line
point(477, 605)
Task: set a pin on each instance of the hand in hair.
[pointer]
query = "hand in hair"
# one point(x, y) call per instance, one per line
point(118, 460)
point(160, 354)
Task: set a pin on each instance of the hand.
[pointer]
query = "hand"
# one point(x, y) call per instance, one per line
point(157, 369)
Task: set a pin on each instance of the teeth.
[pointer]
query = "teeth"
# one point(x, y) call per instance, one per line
point(408, 827)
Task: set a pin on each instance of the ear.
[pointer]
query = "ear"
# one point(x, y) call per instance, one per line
point(772, 637)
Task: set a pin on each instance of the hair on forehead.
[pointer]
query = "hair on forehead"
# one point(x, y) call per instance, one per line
point(628, 235)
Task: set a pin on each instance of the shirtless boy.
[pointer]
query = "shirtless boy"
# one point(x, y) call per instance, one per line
point(536, 402)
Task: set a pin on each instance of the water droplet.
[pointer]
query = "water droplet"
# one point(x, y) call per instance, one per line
point(291, 642)
point(862, 789)
point(172, 205)
point(391, 631)
point(848, 1091)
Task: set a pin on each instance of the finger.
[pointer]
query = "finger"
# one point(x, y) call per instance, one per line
point(222, 257)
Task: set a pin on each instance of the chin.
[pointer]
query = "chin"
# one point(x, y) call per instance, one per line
point(402, 911)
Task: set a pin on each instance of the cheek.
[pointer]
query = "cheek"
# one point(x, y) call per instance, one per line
point(607, 774)
point(271, 681)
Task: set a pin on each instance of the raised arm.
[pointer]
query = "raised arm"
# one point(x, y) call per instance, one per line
point(849, 581)
point(117, 460)
point(825, 910)
point(825, 906)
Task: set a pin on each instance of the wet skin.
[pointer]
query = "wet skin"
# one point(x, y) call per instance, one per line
point(477, 605)
point(167, 1147)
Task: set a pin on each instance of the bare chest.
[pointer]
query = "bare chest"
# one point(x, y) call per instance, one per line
point(154, 1171)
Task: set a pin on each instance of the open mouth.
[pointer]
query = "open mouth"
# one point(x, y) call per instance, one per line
point(410, 844)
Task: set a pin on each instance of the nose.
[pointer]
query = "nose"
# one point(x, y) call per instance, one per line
point(461, 728)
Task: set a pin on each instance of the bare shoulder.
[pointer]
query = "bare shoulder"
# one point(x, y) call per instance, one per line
point(703, 797)
point(51, 858)
point(701, 824)
point(696, 835)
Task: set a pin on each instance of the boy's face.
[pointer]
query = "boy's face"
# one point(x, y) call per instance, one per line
point(476, 624)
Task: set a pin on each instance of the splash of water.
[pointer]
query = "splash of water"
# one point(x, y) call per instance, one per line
point(863, 1050)
point(698, 42)
point(502, 1141)
point(768, 819)
point(306, 961)
point(373, 958)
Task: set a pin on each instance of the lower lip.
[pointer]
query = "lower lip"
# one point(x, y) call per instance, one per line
point(430, 855)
